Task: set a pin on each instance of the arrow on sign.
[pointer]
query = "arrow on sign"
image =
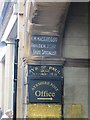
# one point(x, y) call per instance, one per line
point(45, 98)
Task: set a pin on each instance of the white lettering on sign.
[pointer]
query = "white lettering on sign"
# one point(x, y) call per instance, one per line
point(42, 45)
point(36, 52)
point(48, 52)
point(44, 52)
point(44, 94)
point(39, 45)
point(51, 46)
point(45, 39)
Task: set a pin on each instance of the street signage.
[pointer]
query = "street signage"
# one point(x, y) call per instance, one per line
point(50, 71)
point(45, 45)
point(45, 91)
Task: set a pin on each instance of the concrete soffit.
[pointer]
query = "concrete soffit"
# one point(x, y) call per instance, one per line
point(46, 18)
point(49, 17)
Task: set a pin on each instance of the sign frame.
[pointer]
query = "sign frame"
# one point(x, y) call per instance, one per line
point(47, 56)
point(42, 71)
point(53, 89)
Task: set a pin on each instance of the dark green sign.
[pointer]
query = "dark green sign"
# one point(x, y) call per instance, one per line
point(45, 91)
point(49, 71)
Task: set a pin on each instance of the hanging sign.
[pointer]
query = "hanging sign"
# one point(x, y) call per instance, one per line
point(45, 91)
point(44, 45)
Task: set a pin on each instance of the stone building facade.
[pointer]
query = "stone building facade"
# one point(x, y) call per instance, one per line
point(67, 20)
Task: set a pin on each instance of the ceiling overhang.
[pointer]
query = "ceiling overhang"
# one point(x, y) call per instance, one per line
point(49, 17)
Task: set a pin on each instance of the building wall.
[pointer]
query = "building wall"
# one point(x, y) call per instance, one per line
point(76, 32)
point(76, 46)
point(75, 78)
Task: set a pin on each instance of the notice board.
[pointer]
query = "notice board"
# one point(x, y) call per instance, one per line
point(44, 45)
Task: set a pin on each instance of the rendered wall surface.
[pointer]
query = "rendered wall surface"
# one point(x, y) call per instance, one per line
point(76, 31)
point(76, 46)
point(75, 78)
point(76, 92)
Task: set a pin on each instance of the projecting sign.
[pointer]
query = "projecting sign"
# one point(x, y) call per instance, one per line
point(36, 71)
point(44, 45)
point(45, 91)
